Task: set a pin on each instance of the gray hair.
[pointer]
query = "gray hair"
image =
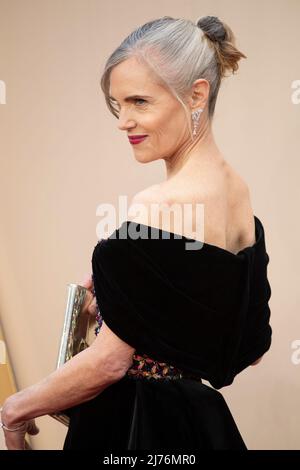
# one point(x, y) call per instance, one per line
point(179, 52)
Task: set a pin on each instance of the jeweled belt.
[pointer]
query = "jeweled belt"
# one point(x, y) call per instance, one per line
point(145, 367)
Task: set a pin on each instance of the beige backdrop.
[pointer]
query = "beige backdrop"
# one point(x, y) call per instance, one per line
point(7, 381)
point(62, 155)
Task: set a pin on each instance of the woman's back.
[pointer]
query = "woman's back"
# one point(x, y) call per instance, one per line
point(228, 215)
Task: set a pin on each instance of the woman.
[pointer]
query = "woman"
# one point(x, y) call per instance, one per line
point(168, 316)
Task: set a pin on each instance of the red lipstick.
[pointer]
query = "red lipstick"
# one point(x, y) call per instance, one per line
point(136, 139)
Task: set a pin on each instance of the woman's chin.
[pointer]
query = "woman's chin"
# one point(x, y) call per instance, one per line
point(142, 158)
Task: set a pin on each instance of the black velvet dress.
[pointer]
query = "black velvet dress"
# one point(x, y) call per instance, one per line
point(192, 311)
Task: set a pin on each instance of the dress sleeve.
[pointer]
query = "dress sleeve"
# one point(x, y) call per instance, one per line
point(189, 310)
point(147, 310)
point(256, 335)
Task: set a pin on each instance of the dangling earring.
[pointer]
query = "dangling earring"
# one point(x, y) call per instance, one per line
point(196, 119)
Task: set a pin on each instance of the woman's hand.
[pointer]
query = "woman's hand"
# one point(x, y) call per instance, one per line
point(89, 304)
point(15, 434)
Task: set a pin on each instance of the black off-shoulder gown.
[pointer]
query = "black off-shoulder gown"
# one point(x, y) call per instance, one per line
point(192, 311)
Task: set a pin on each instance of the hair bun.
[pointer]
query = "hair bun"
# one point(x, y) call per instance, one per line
point(213, 28)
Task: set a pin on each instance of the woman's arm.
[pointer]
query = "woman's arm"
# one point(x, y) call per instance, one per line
point(82, 378)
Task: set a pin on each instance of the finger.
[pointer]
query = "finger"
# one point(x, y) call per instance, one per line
point(32, 428)
point(88, 299)
point(87, 281)
point(92, 309)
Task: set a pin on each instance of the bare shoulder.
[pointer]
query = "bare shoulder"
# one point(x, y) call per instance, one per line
point(164, 206)
point(240, 222)
point(238, 189)
point(147, 204)
point(152, 193)
point(225, 196)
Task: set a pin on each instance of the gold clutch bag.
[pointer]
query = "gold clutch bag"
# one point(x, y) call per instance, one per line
point(77, 334)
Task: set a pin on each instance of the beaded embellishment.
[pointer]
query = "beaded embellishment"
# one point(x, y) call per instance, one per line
point(143, 366)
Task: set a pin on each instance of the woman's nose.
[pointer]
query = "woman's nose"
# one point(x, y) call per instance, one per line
point(125, 122)
point(124, 125)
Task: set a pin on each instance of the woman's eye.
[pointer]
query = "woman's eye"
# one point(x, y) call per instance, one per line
point(140, 99)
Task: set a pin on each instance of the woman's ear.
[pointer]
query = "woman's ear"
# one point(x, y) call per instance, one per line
point(199, 93)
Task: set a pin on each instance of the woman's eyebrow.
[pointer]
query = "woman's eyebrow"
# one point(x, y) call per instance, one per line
point(129, 98)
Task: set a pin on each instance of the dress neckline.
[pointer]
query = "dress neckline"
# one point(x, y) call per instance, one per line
point(259, 232)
